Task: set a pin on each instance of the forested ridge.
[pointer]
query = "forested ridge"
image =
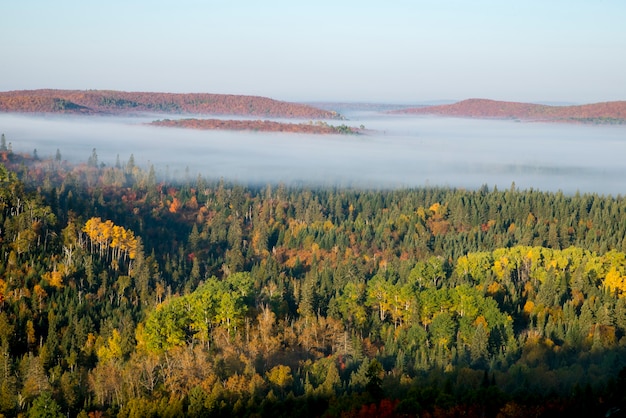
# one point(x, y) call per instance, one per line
point(319, 127)
point(122, 294)
point(594, 113)
point(111, 102)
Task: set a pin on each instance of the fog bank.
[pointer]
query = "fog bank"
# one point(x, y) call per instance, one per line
point(398, 151)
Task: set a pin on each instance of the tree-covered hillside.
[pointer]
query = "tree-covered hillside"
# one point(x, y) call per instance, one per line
point(110, 102)
point(124, 295)
point(596, 113)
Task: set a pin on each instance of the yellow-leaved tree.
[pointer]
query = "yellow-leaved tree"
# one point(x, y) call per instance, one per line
point(110, 240)
point(615, 282)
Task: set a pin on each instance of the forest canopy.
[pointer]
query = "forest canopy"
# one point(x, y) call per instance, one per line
point(123, 295)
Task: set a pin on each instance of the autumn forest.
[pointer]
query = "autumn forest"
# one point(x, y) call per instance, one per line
point(125, 295)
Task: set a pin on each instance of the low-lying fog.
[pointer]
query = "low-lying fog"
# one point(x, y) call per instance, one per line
point(398, 151)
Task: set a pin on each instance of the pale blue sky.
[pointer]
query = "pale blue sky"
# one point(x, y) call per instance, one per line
point(396, 51)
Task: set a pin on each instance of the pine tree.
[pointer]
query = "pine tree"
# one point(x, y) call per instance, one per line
point(45, 407)
point(374, 380)
point(92, 161)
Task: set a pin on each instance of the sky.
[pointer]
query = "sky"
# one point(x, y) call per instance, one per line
point(555, 51)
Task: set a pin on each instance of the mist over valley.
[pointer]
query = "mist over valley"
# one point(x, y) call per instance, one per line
point(394, 151)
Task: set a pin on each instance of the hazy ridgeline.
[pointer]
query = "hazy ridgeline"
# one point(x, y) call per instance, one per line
point(397, 151)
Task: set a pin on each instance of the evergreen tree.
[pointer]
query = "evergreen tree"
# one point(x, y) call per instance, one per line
point(45, 407)
point(374, 380)
point(92, 161)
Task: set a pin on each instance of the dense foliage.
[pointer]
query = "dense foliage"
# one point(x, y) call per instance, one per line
point(121, 295)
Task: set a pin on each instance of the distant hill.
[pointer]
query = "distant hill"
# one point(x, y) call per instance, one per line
point(607, 112)
point(93, 102)
point(256, 125)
